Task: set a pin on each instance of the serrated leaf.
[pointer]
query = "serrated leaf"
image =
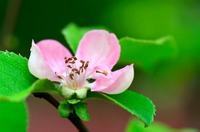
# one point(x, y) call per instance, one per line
point(74, 33)
point(147, 53)
point(136, 126)
point(13, 117)
point(135, 103)
point(15, 79)
point(82, 111)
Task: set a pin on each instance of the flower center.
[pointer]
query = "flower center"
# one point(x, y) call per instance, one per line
point(76, 67)
point(74, 76)
point(77, 77)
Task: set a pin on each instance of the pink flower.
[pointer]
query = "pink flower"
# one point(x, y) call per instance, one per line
point(96, 55)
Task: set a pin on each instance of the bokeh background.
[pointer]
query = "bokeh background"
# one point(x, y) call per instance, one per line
point(173, 85)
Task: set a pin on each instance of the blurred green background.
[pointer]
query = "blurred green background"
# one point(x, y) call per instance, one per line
point(173, 85)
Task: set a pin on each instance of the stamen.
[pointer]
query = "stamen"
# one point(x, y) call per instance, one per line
point(59, 77)
point(86, 65)
point(81, 69)
point(69, 59)
point(72, 62)
point(74, 58)
point(82, 61)
point(102, 72)
point(71, 76)
point(76, 71)
point(69, 66)
point(82, 64)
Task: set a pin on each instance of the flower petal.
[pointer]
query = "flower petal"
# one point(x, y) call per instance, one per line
point(99, 47)
point(118, 82)
point(54, 54)
point(46, 58)
point(37, 65)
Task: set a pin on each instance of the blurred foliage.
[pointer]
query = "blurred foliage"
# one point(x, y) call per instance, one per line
point(13, 117)
point(141, 19)
point(146, 54)
point(147, 19)
point(136, 126)
point(154, 18)
point(73, 35)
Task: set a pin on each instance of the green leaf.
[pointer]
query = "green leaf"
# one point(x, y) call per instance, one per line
point(74, 33)
point(15, 77)
point(43, 85)
point(13, 117)
point(64, 109)
point(147, 53)
point(136, 126)
point(133, 102)
point(82, 111)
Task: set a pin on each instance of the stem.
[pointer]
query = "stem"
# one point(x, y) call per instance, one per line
point(75, 120)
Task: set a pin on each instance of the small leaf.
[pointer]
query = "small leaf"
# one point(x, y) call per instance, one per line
point(73, 101)
point(82, 111)
point(64, 109)
point(13, 116)
point(147, 53)
point(15, 79)
point(133, 102)
point(136, 126)
point(73, 34)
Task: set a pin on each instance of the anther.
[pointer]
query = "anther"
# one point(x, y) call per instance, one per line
point(102, 72)
point(82, 64)
point(82, 61)
point(71, 76)
point(74, 58)
point(66, 61)
point(72, 62)
point(59, 77)
point(70, 59)
point(81, 70)
point(69, 66)
point(86, 64)
point(75, 70)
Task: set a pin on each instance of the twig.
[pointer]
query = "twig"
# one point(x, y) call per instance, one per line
point(76, 121)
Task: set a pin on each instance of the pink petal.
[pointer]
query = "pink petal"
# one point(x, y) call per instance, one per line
point(119, 81)
point(99, 47)
point(47, 57)
point(54, 54)
point(37, 65)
